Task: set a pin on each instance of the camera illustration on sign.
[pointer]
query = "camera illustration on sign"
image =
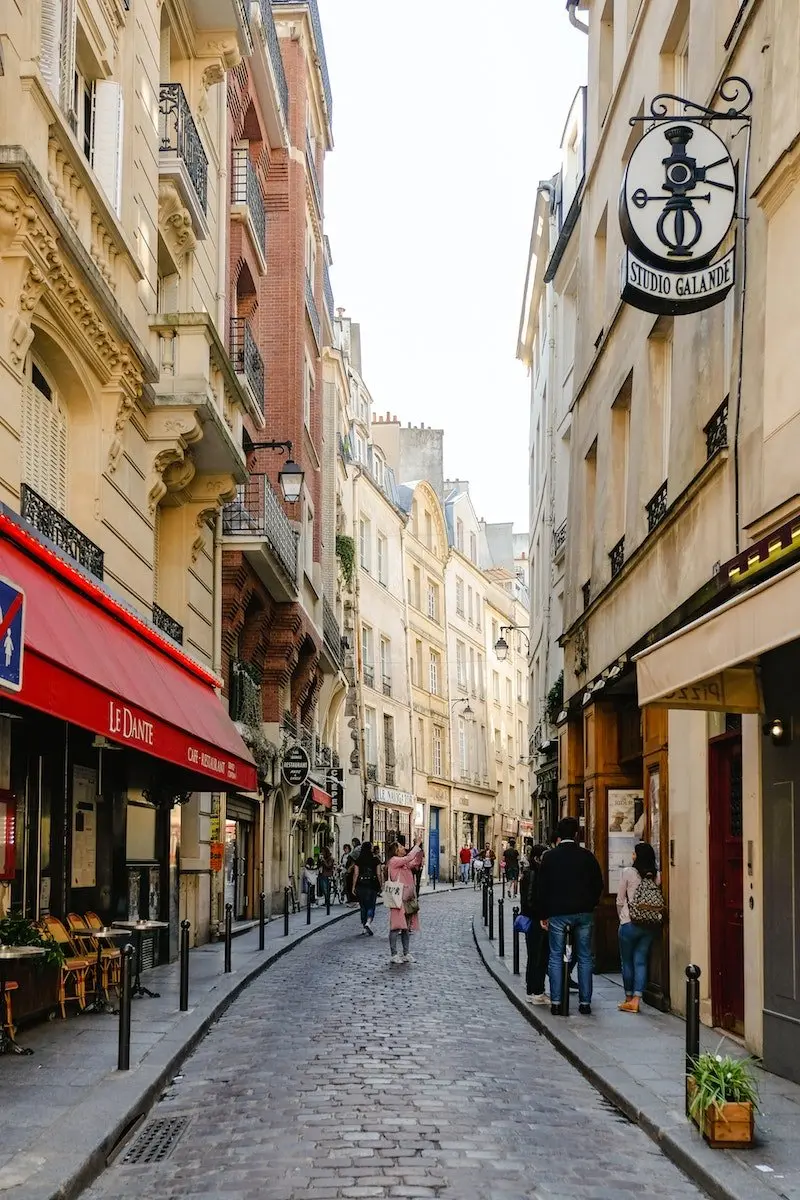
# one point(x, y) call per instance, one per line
point(296, 766)
point(676, 208)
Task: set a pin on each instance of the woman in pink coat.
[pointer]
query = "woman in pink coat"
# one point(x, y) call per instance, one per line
point(401, 922)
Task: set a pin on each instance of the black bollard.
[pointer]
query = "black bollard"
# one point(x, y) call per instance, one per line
point(328, 899)
point(285, 912)
point(184, 1000)
point(308, 907)
point(228, 937)
point(434, 881)
point(124, 1052)
point(491, 914)
point(501, 930)
point(262, 917)
point(692, 1023)
point(565, 971)
point(485, 902)
point(515, 940)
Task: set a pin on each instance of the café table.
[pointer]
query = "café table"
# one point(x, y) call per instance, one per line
point(101, 1002)
point(8, 1045)
point(138, 928)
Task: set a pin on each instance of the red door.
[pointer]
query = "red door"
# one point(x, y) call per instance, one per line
point(726, 882)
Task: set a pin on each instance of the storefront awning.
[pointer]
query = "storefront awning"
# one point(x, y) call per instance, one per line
point(318, 796)
point(90, 660)
point(712, 663)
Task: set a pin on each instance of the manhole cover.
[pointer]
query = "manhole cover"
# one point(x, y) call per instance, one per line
point(157, 1140)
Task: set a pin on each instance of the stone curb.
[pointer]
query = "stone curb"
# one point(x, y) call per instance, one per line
point(715, 1172)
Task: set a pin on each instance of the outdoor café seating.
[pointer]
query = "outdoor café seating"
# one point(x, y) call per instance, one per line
point(74, 968)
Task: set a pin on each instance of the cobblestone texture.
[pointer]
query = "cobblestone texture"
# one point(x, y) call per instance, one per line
point(338, 1077)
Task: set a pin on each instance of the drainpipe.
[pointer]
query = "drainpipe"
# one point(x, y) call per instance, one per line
point(573, 18)
point(222, 211)
point(216, 649)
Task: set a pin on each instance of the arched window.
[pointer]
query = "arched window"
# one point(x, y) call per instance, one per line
point(44, 437)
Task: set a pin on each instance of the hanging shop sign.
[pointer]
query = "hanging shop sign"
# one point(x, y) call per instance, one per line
point(677, 205)
point(296, 766)
point(334, 783)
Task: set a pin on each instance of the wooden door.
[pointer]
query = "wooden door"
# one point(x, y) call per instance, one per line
point(726, 882)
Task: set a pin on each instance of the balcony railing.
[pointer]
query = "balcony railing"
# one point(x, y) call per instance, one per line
point(245, 691)
point(372, 772)
point(324, 755)
point(289, 724)
point(61, 532)
point(311, 163)
point(245, 189)
point(389, 774)
point(316, 25)
point(246, 358)
point(559, 539)
point(716, 431)
point(328, 291)
point(369, 676)
point(617, 557)
point(274, 46)
point(657, 508)
point(387, 685)
point(331, 630)
point(256, 512)
point(167, 624)
point(313, 313)
point(179, 136)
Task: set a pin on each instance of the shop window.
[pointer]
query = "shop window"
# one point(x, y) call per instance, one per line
point(44, 438)
point(140, 835)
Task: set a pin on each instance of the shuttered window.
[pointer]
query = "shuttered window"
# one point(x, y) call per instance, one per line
point(107, 149)
point(44, 441)
point(156, 552)
point(50, 52)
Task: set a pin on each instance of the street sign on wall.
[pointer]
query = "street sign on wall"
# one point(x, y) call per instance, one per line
point(296, 766)
point(12, 635)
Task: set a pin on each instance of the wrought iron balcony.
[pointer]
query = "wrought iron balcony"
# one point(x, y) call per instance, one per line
point(369, 675)
point(316, 25)
point(311, 163)
point(245, 693)
point(307, 740)
point(387, 685)
point(167, 624)
point(245, 189)
point(657, 508)
point(324, 755)
point(372, 772)
point(256, 512)
point(617, 557)
point(274, 47)
point(289, 723)
point(559, 540)
point(328, 291)
point(246, 358)
point(179, 136)
point(389, 774)
point(61, 532)
point(716, 431)
point(313, 313)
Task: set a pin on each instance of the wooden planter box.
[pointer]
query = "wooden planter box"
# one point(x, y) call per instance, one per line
point(730, 1127)
point(37, 994)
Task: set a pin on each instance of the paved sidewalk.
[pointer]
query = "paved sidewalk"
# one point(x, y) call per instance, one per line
point(637, 1063)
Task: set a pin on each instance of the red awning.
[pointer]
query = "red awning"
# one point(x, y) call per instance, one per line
point(320, 797)
point(90, 660)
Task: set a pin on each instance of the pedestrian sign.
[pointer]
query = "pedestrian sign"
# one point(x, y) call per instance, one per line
point(12, 632)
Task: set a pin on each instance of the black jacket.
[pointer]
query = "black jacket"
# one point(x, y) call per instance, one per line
point(528, 893)
point(570, 881)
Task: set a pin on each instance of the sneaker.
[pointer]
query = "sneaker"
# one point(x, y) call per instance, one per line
point(585, 1010)
point(555, 1009)
point(537, 998)
point(396, 959)
point(368, 929)
point(408, 958)
point(364, 931)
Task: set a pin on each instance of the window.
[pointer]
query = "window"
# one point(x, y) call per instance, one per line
point(495, 634)
point(482, 767)
point(438, 747)
point(510, 746)
point(512, 798)
point(386, 665)
point(308, 392)
point(383, 562)
point(370, 736)
point(419, 741)
point(418, 661)
point(460, 535)
point(472, 670)
point(433, 673)
point(620, 458)
point(509, 694)
point(368, 656)
point(606, 68)
point(308, 540)
point(473, 548)
point(377, 469)
point(428, 530)
point(469, 605)
point(519, 686)
point(478, 609)
point(498, 748)
point(659, 345)
point(433, 601)
point(44, 439)
point(311, 251)
point(417, 601)
point(460, 597)
point(520, 738)
point(364, 542)
point(461, 666)
point(496, 686)
point(388, 742)
point(481, 677)
point(463, 761)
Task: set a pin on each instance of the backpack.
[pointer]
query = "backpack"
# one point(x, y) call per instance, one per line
point(648, 905)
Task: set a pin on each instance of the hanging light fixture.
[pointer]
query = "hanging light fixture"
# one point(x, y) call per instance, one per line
point(290, 477)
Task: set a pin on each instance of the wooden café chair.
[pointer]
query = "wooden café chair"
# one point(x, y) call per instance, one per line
point(7, 1018)
point(112, 955)
point(75, 967)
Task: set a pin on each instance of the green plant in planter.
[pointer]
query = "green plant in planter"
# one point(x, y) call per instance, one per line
point(720, 1080)
point(346, 554)
point(16, 930)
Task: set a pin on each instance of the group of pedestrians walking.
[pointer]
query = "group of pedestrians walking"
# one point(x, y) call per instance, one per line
point(398, 876)
point(560, 890)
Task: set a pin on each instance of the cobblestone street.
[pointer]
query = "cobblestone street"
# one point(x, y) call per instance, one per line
point(338, 1077)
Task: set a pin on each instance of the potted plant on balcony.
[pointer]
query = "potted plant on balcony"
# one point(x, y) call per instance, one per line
point(723, 1100)
point(37, 977)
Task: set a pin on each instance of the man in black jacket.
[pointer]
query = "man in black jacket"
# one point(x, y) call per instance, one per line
point(570, 885)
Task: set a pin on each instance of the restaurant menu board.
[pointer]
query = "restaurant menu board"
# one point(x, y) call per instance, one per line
point(8, 822)
point(84, 827)
point(625, 817)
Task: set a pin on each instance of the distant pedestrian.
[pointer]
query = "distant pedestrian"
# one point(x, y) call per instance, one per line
point(349, 869)
point(536, 938)
point(327, 868)
point(309, 884)
point(367, 884)
point(403, 921)
point(464, 860)
point(639, 899)
point(512, 867)
point(569, 889)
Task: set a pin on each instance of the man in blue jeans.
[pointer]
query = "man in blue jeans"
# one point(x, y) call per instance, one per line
point(569, 887)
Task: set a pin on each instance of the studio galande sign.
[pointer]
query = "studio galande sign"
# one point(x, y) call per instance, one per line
point(676, 207)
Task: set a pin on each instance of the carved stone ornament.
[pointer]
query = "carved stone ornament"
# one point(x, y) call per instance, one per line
point(128, 390)
point(581, 662)
point(212, 75)
point(170, 435)
point(174, 221)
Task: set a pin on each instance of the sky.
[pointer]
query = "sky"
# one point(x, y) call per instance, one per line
point(446, 114)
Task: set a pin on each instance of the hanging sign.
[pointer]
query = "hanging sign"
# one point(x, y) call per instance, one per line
point(676, 208)
point(296, 766)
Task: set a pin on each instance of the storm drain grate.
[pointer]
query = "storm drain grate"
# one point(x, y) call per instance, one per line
point(157, 1140)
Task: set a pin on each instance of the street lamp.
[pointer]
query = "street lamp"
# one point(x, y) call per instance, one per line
point(467, 711)
point(291, 474)
point(501, 645)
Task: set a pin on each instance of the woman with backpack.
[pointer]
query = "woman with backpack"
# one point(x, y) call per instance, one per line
point(367, 884)
point(641, 907)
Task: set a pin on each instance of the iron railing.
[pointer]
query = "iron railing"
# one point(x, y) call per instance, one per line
point(307, 740)
point(256, 512)
point(246, 358)
point(387, 685)
point(179, 135)
point(61, 532)
point(389, 774)
point(167, 624)
point(274, 46)
point(316, 25)
point(369, 675)
point(716, 431)
point(559, 539)
point(245, 687)
point(372, 772)
point(289, 723)
point(245, 189)
point(331, 630)
point(657, 508)
point(328, 290)
point(617, 557)
point(311, 163)
point(313, 313)
point(324, 755)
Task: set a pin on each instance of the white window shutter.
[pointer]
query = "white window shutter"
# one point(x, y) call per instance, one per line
point(44, 447)
point(107, 154)
point(50, 51)
point(68, 49)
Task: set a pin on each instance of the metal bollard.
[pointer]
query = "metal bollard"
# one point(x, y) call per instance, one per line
point(485, 902)
point(286, 912)
point(124, 1051)
point(184, 1000)
point(434, 881)
point(564, 1010)
point(228, 937)
point(262, 917)
point(692, 1022)
point(501, 930)
point(491, 914)
point(328, 899)
point(515, 940)
point(308, 907)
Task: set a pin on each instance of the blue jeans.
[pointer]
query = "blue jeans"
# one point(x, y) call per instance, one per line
point(634, 950)
point(582, 924)
point(465, 872)
point(368, 899)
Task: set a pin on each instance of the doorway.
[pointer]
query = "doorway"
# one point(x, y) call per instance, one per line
point(726, 881)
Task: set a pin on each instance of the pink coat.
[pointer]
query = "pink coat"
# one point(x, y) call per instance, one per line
point(400, 868)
